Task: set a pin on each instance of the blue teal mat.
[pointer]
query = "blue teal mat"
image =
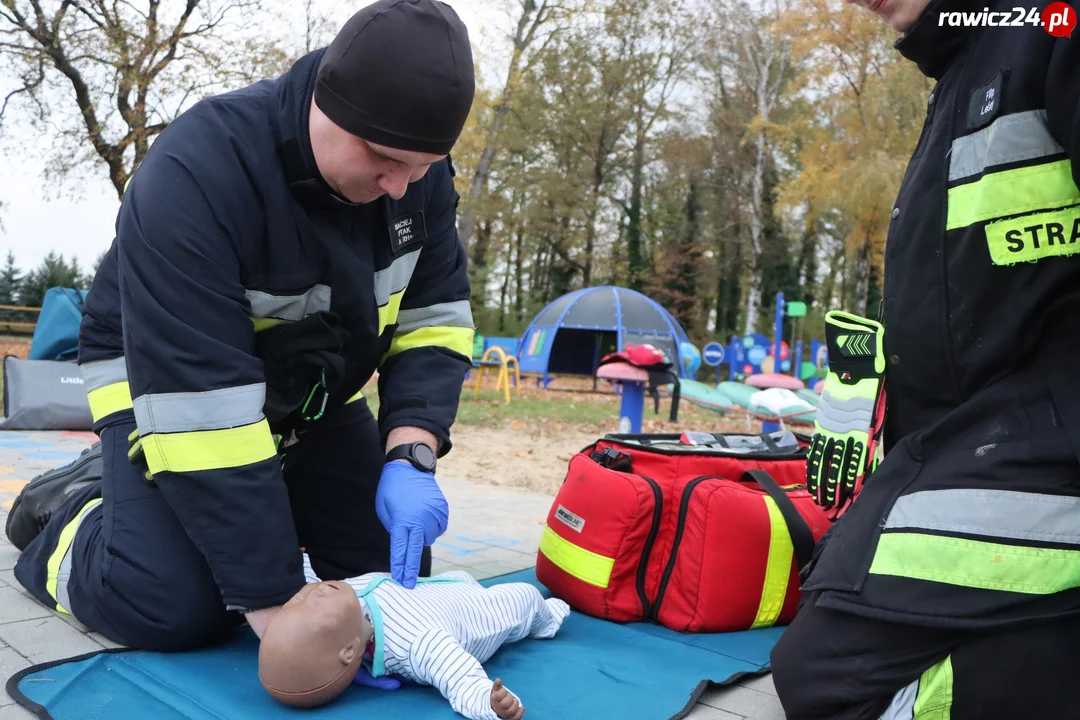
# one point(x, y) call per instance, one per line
point(592, 669)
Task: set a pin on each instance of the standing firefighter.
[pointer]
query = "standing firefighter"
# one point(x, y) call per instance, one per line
point(278, 245)
point(951, 587)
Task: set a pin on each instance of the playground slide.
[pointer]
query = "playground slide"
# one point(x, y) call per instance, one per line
point(729, 396)
point(809, 396)
point(705, 395)
point(743, 395)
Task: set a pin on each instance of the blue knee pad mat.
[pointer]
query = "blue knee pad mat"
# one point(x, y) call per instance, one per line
point(591, 669)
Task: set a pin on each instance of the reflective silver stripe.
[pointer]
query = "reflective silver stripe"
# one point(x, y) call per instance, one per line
point(996, 513)
point(288, 307)
point(64, 573)
point(1011, 138)
point(902, 706)
point(209, 410)
point(844, 416)
point(395, 278)
point(100, 373)
point(451, 314)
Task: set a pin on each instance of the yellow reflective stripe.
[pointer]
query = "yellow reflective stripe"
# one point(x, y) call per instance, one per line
point(1012, 192)
point(359, 395)
point(266, 323)
point(388, 313)
point(109, 399)
point(1033, 237)
point(458, 339)
point(777, 569)
point(977, 564)
point(63, 544)
point(209, 449)
point(583, 564)
point(935, 698)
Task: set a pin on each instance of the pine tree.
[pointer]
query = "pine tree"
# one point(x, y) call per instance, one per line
point(10, 278)
point(54, 271)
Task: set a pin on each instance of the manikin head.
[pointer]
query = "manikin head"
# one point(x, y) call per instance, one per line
point(312, 648)
point(899, 14)
point(392, 94)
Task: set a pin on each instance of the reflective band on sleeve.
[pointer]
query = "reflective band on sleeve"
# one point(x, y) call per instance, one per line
point(209, 449)
point(935, 698)
point(992, 513)
point(289, 307)
point(395, 278)
point(99, 373)
point(902, 706)
point(777, 569)
point(459, 340)
point(1012, 192)
point(58, 568)
point(451, 314)
point(1034, 237)
point(583, 564)
point(108, 400)
point(107, 388)
point(208, 410)
point(975, 564)
point(266, 323)
point(1009, 139)
point(388, 313)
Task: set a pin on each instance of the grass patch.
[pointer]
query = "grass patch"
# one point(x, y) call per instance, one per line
point(573, 406)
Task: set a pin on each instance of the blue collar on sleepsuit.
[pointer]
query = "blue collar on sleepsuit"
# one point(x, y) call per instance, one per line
point(367, 597)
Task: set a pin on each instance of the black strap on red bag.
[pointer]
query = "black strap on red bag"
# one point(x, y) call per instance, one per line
point(802, 540)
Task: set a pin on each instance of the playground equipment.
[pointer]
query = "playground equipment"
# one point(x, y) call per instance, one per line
point(633, 381)
point(573, 332)
point(773, 407)
point(639, 369)
point(495, 357)
point(755, 354)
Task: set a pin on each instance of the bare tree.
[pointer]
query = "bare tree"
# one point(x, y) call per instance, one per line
point(660, 37)
point(763, 66)
point(537, 22)
point(101, 79)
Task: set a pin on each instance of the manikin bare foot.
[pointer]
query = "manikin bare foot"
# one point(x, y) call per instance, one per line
point(504, 704)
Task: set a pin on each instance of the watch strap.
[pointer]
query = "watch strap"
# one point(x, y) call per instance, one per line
point(407, 451)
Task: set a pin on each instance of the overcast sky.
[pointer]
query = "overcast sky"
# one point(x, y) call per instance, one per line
point(34, 221)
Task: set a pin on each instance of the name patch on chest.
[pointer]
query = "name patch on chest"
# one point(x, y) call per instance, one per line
point(406, 231)
point(985, 103)
point(1034, 237)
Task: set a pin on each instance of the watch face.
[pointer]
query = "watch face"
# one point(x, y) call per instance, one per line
point(424, 455)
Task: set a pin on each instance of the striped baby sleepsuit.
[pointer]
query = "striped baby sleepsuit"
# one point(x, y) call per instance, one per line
point(440, 632)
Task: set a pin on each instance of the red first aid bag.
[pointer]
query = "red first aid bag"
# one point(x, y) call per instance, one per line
point(698, 539)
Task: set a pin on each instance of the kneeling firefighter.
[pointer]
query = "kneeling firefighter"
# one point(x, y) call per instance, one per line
point(277, 246)
point(950, 588)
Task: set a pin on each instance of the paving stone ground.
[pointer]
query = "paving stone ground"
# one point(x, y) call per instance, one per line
point(492, 531)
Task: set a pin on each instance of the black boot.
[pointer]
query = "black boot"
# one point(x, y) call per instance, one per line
point(48, 492)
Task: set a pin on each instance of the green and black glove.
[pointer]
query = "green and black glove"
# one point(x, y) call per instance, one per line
point(850, 415)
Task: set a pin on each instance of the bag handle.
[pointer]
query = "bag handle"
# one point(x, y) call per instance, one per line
point(802, 540)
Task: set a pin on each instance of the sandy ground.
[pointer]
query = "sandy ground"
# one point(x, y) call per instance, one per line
point(522, 455)
point(518, 457)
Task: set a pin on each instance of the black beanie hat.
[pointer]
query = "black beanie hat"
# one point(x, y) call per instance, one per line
point(400, 74)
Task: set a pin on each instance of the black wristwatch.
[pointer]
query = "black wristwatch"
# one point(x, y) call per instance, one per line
point(419, 454)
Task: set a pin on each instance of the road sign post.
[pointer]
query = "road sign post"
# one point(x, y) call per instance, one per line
point(713, 355)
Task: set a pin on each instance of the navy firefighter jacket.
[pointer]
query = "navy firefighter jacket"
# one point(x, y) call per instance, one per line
point(971, 519)
point(227, 229)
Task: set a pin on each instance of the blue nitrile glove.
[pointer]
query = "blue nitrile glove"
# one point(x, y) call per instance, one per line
point(386, 682)
point(413, 510)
